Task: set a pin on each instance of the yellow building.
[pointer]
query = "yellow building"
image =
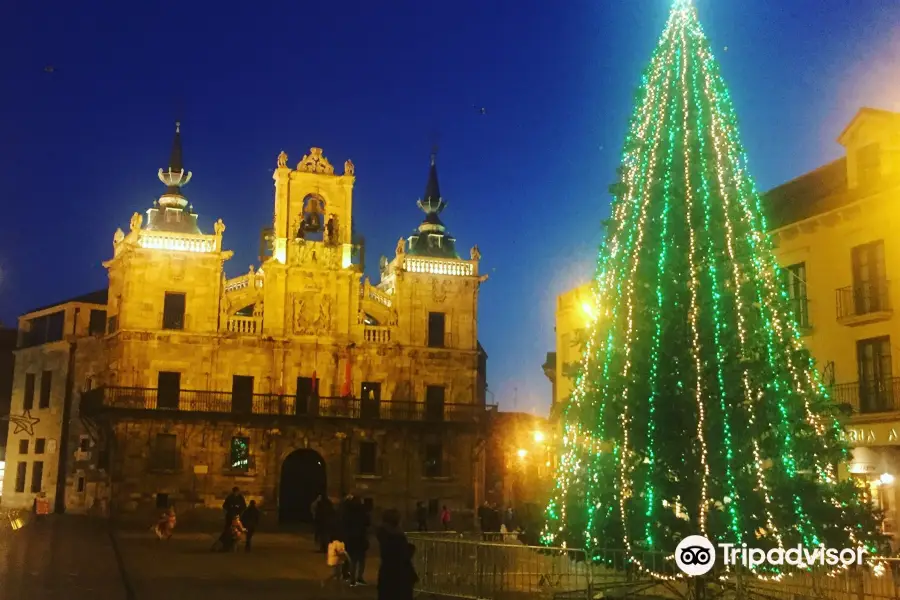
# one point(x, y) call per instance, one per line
point(297, 378)
point(833, 232)
point(835, 236)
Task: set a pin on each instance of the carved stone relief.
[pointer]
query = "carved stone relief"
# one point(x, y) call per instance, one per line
point(312, 313)
point(440, 290)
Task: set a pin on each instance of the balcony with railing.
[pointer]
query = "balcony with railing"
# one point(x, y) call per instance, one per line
point(150, 402)
point(863, 302)
point(869, 397)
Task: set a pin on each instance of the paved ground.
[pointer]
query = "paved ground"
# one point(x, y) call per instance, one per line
point(58, 558)
point(281, 566)
point(75, 558)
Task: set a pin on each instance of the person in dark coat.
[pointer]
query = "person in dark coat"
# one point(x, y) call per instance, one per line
point(324, 522)
point(422, 516)
point(250, 520)
point(396, 575)
point(234, 506)
point(356, 538)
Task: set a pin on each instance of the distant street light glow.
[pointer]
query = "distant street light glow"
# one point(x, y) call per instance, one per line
point(522, 453)
point(539, 437)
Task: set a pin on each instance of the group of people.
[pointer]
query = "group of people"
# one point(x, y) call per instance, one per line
point(343, 534)
point(422, 517)
point(241, 521)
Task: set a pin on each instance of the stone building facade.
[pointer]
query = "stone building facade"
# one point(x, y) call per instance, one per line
point(297, 378)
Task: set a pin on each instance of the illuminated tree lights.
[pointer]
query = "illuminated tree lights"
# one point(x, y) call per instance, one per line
point(696, 408)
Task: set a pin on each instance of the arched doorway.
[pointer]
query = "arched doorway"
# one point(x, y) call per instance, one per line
point(302, 479)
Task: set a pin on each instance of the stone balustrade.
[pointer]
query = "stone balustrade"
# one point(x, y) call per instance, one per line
point(439, 266)
point(245, 325)
point(183, 242)
point(377, 334)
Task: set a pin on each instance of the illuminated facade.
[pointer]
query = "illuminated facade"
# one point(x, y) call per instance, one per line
point(833, 232)
point(297, 378)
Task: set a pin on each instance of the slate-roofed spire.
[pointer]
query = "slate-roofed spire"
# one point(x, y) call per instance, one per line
point(432, 203)
point(176, 177)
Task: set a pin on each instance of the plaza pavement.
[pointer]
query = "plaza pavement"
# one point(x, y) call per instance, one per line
point(58, 558)
point(79, 558)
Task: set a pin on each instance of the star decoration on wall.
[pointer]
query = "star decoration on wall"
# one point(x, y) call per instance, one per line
point(24, 422)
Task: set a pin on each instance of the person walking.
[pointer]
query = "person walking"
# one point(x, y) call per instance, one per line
point(234, 505)
point(396, 574)
point(325, 522)
point(445, 518)
point(421, 516)
point(356, 537)
point(250, 520)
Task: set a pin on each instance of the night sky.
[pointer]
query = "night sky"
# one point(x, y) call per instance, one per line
point(527, 180)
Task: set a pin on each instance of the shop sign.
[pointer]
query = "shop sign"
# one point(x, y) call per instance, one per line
point(873, 435)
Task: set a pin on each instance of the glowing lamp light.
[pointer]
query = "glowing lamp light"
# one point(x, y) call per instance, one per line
point(539, 437)
point(588, 309)
point(522, 453)
point(886, 479)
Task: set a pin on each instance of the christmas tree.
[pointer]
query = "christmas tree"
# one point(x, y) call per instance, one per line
point(696, 409)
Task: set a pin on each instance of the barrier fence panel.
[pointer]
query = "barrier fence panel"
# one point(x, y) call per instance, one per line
point(496, 566)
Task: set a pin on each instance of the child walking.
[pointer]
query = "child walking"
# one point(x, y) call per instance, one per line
point(337, 558)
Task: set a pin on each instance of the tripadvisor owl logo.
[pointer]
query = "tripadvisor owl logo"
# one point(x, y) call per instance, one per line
point(695, 555)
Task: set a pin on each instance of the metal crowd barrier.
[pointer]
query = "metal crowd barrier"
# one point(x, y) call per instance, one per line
point(452, 566)
point(491, 566)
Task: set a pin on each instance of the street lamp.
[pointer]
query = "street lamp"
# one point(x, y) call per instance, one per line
point(538, 437)
point(522, 453)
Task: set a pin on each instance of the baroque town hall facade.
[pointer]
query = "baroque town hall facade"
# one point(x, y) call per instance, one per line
point(298, 378)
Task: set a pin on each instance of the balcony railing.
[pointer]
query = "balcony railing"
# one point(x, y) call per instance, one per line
point(214, 402)
point(867, 397)
point(244, 325)
point(866, 298)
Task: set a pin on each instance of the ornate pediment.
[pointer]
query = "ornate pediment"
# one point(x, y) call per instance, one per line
point(315, 162)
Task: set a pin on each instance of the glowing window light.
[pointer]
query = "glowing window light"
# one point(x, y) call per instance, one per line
point(886, 479)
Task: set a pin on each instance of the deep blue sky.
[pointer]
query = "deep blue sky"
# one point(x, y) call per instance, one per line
point(527, 181)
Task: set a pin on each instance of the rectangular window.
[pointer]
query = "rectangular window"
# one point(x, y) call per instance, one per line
point(876, 389)
point(370, 400)
point(436, 328)
point(434, 402)
point(37, 476)
point(28, 401)
point(97, 324)
point(240, 454)
point(80, 487)
point(84, 443)
point(21, 469)
point(368, 458)
point(103, 460)
point(39, 445)
point(165, 452)
point(869, 278)
point(162, 500)
point(46, 329)
point(23, 447)
point(46, 382)
point(168, 385)
point(434, 459)
point(795, 285)
point(173, 310)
